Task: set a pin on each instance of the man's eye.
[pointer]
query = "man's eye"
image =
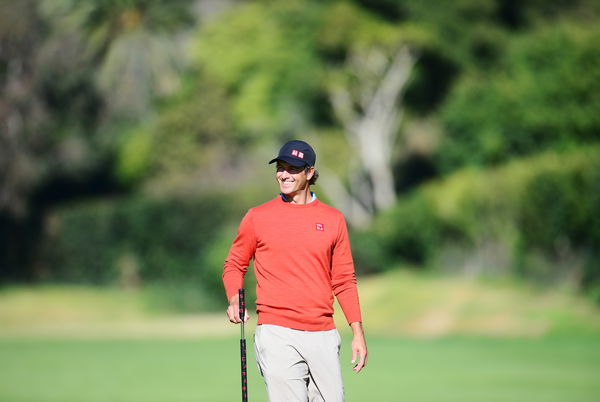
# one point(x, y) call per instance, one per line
point(291, 169)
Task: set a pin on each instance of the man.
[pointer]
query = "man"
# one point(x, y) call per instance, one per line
point(302, 259)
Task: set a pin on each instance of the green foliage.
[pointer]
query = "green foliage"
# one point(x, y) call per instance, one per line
point(544, 94)
point(134, 155)
point(213, 259)
point(347, 26)
point(506, 79)
point(80, 247)
point(538, 212)
point(557, 207)
point(264, 55)
point(275, 59)
point(519, 207)
point(465, 31)
point(137, 241)
point(409, 233)
point(558, 218)
point(368, 253)
point(190, 127)
point(48, 107)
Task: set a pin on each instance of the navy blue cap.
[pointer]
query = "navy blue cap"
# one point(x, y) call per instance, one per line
point(296, 153)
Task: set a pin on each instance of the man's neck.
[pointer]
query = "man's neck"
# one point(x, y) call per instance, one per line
point(301, 197)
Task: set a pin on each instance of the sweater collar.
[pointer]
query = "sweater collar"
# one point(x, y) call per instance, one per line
point(313, 195)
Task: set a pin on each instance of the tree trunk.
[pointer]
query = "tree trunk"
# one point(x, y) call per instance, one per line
point(371, 116)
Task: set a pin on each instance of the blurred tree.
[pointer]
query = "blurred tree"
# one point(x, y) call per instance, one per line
point(21, 108)
point(46, 105)
point(193, 143)
point(22, 114)
point(134, 45)
point(58, 63)
point(290, 67)
point(360, 78)
point(365, 92)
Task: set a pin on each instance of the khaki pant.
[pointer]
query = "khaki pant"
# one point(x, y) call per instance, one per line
point(299, 365)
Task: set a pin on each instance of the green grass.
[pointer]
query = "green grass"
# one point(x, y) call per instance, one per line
point(431, 339)
point(465, 369)
point(421, 306)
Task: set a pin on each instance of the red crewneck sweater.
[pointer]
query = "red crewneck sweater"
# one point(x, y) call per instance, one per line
point(301, 257)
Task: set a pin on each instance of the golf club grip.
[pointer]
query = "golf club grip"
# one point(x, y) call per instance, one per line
point(242, 304)
point(244, 372)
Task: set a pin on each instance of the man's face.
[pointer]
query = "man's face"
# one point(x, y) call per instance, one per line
point(292, 179)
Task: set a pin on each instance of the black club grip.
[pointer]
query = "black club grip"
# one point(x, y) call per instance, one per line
point(242, 304)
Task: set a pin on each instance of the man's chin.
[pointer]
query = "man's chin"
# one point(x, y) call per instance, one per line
point(286, 190)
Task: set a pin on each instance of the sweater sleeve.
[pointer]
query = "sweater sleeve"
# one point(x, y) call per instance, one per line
point(237, 261)
point(343, 277)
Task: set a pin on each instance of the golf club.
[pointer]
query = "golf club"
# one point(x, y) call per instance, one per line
point(243, 347)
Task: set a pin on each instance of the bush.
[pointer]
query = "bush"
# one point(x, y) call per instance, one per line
point(214, 257)
point(137, 241)
point(535, 217)
point(557, 218)
point(411, 231)
point(408, 234)
point(554, 208)
point(81, 245)
point(368, 252)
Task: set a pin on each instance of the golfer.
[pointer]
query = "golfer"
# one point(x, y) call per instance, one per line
point(302, 259)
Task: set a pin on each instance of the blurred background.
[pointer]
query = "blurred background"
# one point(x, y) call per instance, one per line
point(461, 140)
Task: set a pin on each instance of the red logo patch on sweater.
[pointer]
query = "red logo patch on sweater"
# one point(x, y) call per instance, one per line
point(320, 227)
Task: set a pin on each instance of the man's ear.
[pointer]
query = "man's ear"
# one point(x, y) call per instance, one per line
point(310, 173)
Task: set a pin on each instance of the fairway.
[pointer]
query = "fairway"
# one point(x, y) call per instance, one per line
point(451, 369)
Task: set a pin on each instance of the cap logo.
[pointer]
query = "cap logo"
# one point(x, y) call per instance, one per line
point(297, 153)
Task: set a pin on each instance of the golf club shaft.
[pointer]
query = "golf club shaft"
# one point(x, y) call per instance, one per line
point(243, 346)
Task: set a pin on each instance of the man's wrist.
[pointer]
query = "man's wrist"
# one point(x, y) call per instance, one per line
point(357, 328)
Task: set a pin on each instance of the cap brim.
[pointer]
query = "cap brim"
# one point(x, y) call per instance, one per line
point(290, 160)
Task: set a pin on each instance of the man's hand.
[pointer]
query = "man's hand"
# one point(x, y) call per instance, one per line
point(233, 311)
point(359, 347)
